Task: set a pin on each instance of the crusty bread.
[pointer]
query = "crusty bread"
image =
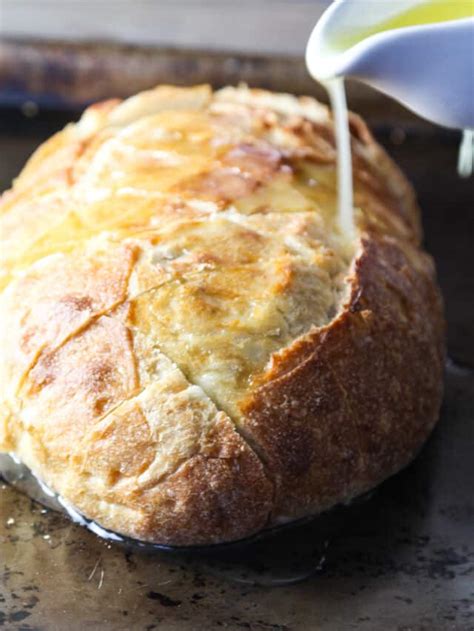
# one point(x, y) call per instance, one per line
point(191, 349)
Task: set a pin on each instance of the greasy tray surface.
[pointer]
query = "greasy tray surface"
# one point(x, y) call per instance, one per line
point(403, 560)
point(400, 561)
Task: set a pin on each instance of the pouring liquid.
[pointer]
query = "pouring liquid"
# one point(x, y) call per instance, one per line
point(345, 192)
point(429, 12)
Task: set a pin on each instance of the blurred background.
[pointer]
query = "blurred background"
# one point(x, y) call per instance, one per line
point(259, 26)
point(66, 53)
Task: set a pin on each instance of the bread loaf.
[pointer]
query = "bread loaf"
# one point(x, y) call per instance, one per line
point(192, 351)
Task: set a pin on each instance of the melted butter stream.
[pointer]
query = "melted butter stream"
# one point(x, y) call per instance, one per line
point(345, 189)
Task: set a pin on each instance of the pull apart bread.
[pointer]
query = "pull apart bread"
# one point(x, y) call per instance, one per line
point(192, 351)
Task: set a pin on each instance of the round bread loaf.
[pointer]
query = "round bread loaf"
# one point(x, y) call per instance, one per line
point(192, 351)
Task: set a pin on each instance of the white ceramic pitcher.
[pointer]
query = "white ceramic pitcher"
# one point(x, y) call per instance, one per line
point(429, 68)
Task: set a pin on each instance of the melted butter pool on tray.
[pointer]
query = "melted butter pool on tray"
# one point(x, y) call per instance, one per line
point(278, 557)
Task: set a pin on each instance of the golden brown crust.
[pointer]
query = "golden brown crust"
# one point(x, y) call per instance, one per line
point(221, 493)
point(192, 350)
point(351, 403)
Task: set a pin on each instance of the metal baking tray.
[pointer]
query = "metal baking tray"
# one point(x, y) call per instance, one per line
point(402, 559)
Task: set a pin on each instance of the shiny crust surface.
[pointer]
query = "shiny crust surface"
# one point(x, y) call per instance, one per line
point(191, 349)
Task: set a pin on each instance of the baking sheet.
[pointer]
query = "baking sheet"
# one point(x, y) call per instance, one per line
point(404, 560)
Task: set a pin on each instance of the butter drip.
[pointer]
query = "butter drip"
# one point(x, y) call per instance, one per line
point(466, 154)
point(337, 95)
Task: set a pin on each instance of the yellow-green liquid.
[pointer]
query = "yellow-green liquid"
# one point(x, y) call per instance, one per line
point(424, 13)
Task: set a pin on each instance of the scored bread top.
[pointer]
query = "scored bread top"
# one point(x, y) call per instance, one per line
point(165, 262)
